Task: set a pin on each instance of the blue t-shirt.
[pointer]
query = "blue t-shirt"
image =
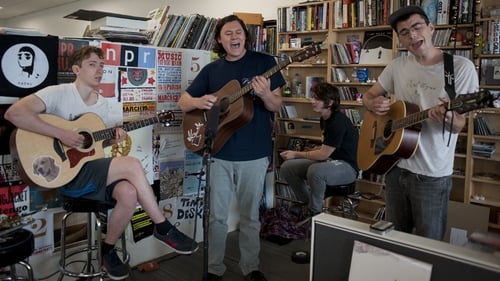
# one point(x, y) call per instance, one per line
point(254, 140)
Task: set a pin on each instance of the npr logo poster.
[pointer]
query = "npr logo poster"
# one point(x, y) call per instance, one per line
point(128, 55)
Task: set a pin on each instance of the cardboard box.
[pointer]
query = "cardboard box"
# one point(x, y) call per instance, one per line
point(250, 18)
point(464, 219)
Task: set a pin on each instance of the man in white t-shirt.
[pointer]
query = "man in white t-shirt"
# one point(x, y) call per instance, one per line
point(418, 188)
point(119, 181)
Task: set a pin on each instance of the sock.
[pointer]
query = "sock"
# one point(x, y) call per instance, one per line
point(163, 227)
point(106, 248)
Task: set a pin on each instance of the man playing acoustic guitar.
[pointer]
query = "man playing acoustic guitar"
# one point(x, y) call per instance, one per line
point(240, 166)
point(418, 188)
point(119, 180)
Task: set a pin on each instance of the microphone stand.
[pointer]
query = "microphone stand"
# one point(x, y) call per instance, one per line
point(212, 122)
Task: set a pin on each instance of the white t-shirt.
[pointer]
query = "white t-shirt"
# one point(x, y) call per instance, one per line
point(410, 81)
point(64, 101)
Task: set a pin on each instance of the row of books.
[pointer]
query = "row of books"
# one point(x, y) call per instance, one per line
point(346, 53)
point(441, 12)
point(482, 127)
point(441, 37)
point(285, 191)
point(379, 214)
point(491, 37)
point(353, 115)
point(191, 32)
point(484, 149)
point(458, 52)
point(303, 18)
point(361, 13)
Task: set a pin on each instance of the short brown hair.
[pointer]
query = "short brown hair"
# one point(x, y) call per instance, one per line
point(84, 53)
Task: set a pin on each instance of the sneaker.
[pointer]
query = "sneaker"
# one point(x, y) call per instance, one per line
point(114, 266)
point(177, 240)
point(213, 277)
point(255, 276)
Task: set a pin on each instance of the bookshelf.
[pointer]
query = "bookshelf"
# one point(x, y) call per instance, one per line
point(297, 27)
point(482, 159)
point(460, 35)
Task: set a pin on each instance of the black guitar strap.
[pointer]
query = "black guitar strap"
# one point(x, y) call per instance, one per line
point(449, 85)
point(449, 75)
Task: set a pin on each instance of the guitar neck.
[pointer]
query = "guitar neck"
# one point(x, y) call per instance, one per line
point(110, 132)
point(410, 120)
point(266, 74)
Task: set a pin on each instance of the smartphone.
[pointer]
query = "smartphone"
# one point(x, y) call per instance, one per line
point(381, 226)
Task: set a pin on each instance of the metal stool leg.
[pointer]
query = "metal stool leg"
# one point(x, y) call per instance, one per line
point(88, 270)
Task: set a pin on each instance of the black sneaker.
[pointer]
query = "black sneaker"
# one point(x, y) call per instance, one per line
point(213, 277)
point(114, 266)
point(255, 276)
point(177, 240)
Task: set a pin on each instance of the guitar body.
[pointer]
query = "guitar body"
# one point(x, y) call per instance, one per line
point(234, 115)
point(46, 161)
point(379, 147)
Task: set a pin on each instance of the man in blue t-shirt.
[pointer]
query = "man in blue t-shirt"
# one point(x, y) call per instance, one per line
point(239, 167)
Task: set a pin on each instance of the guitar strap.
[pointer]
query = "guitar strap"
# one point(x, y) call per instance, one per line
point(449, 75)
point(449, 85)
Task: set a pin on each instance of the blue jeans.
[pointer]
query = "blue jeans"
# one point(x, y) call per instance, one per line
point(417, 201)
point(245, 180)
point(308, 178)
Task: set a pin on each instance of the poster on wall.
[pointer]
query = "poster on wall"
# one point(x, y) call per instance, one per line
point(186, 212)
point(137, 144)
point(171, 161)
point(131, 79)
point(67, 47)
point(27, 64)
point(176, 69)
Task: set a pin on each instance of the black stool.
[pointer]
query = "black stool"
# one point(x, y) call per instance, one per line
point(93, 208)
point(342, 199)
point(15, 247)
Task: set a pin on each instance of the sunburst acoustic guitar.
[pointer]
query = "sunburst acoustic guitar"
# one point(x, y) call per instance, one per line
point(46, 162)
point(236, 108)
point(384, 140)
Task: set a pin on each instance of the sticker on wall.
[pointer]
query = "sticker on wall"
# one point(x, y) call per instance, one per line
point(28, 64)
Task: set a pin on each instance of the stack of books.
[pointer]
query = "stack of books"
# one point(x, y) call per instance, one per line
point(483, 149)
point(113, 27)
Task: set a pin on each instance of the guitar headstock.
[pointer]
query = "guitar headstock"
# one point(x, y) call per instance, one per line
point(309, 51)
point(469, 102)
point(166, 117)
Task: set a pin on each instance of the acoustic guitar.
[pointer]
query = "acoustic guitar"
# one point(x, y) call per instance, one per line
point(384, 140)
point(236, 108)
point(46, 162)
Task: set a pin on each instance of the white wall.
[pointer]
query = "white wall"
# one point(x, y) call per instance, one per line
point(52, 21)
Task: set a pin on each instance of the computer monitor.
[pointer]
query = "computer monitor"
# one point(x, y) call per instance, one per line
point(332, 246)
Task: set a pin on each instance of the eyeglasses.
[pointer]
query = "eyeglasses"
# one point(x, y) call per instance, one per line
point(417, 27)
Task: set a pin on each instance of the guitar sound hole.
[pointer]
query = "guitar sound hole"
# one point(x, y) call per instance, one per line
point(224, 104)
point(387, 129)
point(88, 140)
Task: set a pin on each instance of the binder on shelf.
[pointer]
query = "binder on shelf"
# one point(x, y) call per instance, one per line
point(312, 81)
point(119, 22)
